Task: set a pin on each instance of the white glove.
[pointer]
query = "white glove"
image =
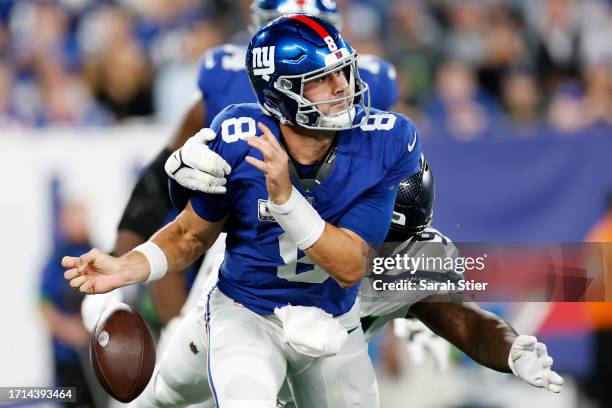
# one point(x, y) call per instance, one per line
point(198, 168)
point(529, 360)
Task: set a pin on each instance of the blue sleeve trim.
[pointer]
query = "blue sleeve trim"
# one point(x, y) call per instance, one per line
point(209, 207)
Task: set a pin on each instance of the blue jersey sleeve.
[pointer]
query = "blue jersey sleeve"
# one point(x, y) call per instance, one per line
point(381, 78)
point(217, 64)
point(403, 151)
point(230, 126)
point(370, 216)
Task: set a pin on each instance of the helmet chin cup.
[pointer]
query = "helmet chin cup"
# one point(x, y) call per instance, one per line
point(341, 120)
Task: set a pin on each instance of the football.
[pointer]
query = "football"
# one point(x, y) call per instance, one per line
point(122, 352)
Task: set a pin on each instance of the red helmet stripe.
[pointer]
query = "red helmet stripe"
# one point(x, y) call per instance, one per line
point(310, 23)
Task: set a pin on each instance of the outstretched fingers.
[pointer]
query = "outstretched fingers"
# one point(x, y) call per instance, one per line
point(77, 281)
point(69, 261)
point(86, 259)
point(71, 274)
point(257, 163)
point(269, 136)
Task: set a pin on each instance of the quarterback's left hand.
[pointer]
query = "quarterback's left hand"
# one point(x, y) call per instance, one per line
point(275, 164)
point(529, 360)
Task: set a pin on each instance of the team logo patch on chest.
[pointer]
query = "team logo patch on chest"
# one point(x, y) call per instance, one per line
point(264, 214)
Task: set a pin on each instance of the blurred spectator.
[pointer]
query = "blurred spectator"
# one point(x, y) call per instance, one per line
point(556, 26)
point(412, 45)
point(176, 78)
point(363, 26)
point(65, 100)
point(7, 112)
point(522, 103)
point(598, 94)
point(567, 113)
point(464, 39)
point(459, 108)
point(117, 67)
point(61, 305)
point(40, 32)
point(505, 48)
point(121, 59)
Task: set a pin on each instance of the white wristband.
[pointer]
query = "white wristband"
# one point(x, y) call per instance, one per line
point(156, 258)
point(299, 219)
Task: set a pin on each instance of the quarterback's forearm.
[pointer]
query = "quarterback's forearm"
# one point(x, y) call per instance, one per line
point(482, 335)
point(342, 253)
point(182, 241)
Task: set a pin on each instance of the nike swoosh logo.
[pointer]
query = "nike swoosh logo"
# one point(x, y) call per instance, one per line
point(411, 145)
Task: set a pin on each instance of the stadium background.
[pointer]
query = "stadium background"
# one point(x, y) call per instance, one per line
point(513, 99)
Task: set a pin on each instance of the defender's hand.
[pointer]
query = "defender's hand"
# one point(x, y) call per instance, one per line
point(94, 272)
point(198, 168)
point(529, 360)
point(275, 165)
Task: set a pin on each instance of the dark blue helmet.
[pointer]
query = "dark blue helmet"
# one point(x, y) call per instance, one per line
point(413, 205)
point(293, 50)
point(264, 11)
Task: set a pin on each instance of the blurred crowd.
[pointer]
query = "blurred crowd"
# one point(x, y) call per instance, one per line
point(468, 69)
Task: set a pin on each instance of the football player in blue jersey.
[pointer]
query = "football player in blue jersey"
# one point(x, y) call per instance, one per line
point(222, 81)
point(180, 378)
point(296, 245)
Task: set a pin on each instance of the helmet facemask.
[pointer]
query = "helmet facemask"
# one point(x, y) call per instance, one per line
point(309, 115)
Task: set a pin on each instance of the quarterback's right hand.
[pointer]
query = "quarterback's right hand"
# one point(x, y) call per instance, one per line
point(94, 272)
point(198, 168)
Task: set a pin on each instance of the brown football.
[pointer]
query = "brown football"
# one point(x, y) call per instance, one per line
point(122, 352)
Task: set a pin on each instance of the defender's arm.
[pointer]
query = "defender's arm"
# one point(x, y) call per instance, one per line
point(482, 335)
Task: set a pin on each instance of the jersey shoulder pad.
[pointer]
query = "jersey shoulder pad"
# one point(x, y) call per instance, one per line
point(395, 130)
point(377, 66)
point(233, 124)
point(381, 78)
point(220, 62)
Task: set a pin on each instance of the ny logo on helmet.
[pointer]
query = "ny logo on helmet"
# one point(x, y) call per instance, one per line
point(263, 61)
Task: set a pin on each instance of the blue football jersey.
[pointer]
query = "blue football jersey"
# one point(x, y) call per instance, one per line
point(223, 81)
point(263, 267)
point(381, 78)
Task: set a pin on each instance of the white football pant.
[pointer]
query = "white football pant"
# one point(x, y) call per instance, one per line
point(248, 362)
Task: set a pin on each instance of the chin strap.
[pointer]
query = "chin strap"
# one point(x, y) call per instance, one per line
point(320, 172)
